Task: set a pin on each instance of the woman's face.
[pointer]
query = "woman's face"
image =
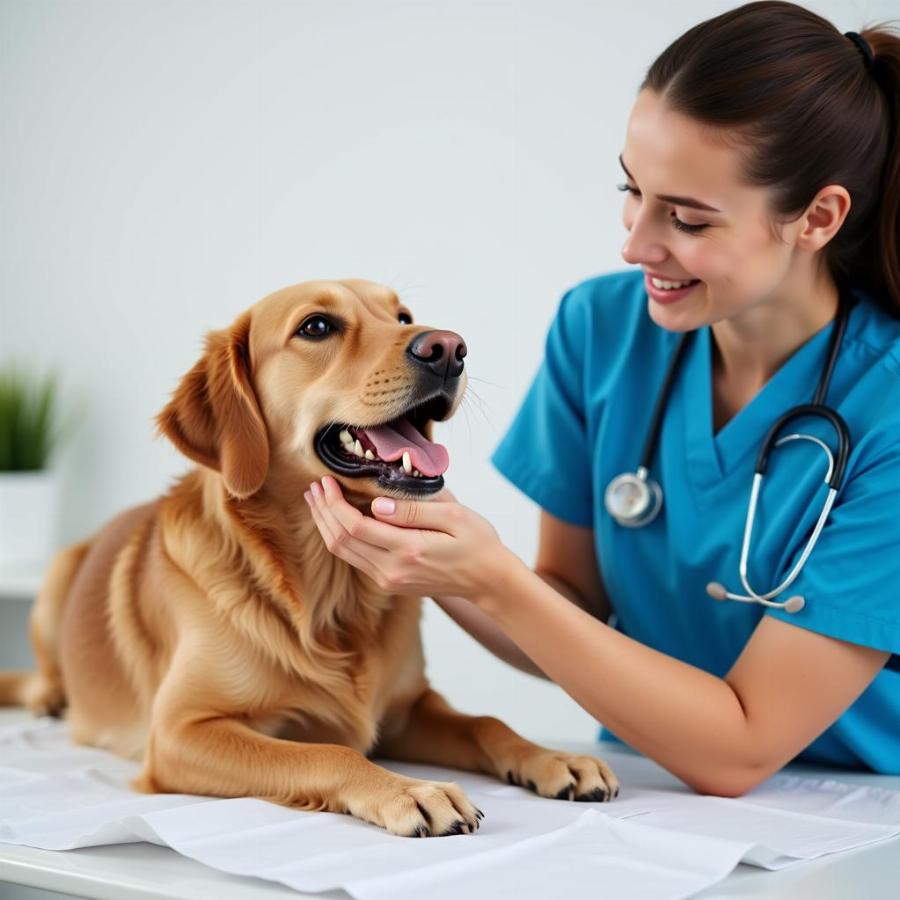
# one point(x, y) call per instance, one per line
point(732, 251)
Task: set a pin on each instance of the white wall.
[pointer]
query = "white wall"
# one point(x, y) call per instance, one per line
point(165, 164)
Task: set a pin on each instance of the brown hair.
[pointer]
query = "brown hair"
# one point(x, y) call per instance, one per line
point(798, 100)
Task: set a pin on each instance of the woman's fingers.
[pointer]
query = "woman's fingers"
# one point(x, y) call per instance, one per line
point(330, 500)
point(427, 515)
point(439, 548)
point(360, 555)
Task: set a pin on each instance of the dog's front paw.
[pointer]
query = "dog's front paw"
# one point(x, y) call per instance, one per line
point(412, 808)
point(564, 776)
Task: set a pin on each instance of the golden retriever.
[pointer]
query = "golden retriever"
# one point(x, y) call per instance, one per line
point(212, 636)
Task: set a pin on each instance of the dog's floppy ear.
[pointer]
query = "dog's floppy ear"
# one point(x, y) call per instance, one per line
point(214, 417)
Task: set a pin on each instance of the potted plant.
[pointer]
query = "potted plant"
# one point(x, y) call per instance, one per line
point(29, 487)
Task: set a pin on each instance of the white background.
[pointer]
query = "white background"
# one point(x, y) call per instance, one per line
point(166, 164)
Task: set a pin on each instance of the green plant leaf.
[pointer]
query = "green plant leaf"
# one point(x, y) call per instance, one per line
point(28, 419)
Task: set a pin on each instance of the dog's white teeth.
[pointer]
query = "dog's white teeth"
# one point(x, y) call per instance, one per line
point(353, 445)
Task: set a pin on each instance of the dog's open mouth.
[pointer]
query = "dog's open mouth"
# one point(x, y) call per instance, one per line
point(396, 453)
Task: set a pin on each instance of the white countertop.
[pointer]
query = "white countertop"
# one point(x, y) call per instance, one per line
point(141, 871)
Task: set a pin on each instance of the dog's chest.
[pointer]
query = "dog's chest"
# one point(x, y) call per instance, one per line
point(380, 685)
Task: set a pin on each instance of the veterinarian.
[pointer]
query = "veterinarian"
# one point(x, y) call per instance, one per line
point(762, 165)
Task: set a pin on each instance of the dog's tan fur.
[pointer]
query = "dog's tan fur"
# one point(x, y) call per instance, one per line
point(212, 636)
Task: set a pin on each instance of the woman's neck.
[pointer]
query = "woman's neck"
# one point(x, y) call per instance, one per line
point(748, 349)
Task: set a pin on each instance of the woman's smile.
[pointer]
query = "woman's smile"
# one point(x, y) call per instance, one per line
point(667, 295)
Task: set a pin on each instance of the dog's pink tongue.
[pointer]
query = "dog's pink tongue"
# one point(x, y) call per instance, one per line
point(392, 440)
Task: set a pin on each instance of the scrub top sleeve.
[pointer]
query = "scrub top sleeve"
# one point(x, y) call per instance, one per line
point(545, 451)
point(851, 580)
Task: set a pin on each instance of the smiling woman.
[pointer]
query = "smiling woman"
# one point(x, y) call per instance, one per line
point(763, 164)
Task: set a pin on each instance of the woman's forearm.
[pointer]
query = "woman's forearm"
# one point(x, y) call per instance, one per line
point(487, 632)
point(689, 721)
point(491, 636)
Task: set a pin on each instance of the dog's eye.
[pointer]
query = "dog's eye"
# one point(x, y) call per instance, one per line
point(405, 318)
point(315, 327)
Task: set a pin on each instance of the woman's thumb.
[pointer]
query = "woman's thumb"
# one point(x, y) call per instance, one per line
point(409, 513)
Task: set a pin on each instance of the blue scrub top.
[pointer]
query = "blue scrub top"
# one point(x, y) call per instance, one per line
point(585, 420)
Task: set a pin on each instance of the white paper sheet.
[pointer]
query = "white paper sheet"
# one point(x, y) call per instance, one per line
point(652, 843)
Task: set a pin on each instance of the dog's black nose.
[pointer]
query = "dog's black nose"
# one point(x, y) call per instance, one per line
point(441, 352)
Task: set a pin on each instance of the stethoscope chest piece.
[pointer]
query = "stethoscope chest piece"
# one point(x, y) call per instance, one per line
point(633, 499)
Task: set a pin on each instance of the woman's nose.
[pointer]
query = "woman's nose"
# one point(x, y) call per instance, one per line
point(642, 244)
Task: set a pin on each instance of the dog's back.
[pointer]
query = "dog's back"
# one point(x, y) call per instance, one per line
point(102, 707)
point(78, 670)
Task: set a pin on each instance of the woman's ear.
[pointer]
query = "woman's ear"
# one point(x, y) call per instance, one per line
point(214, 417)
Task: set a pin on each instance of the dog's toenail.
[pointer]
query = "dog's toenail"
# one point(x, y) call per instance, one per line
point(423, 812)
point(598, 794)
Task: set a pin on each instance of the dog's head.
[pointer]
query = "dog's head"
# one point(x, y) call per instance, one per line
point(322, 377)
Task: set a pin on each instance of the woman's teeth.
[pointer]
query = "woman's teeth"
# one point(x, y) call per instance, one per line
point(354, 446)
point(671, 285)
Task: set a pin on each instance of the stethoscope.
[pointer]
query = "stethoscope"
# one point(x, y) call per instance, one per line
point(635, 499)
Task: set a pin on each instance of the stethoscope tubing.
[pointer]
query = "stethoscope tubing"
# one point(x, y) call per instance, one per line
point(650, 492)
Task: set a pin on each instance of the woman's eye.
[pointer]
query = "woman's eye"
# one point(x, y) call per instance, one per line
point(676, 222)
point(315, 327)
point(405, 318)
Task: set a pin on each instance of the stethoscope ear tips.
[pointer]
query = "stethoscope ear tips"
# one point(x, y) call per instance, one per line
point(719, 592)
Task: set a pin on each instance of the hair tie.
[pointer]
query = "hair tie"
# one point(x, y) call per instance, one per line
point(863, 45)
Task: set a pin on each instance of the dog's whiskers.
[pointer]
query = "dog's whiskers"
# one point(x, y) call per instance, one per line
point(491, 383)
point(473, 397)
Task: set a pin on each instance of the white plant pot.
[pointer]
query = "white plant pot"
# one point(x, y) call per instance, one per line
point(29, 505)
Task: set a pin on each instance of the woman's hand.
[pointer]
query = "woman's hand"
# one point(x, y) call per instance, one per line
point(441, 548)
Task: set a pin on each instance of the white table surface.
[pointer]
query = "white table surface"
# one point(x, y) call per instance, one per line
point(142, 871)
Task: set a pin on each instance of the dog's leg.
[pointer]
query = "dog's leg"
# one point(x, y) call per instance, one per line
point(224, 757)
point(436, 733)
point(43, 691)
point(47, 695)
